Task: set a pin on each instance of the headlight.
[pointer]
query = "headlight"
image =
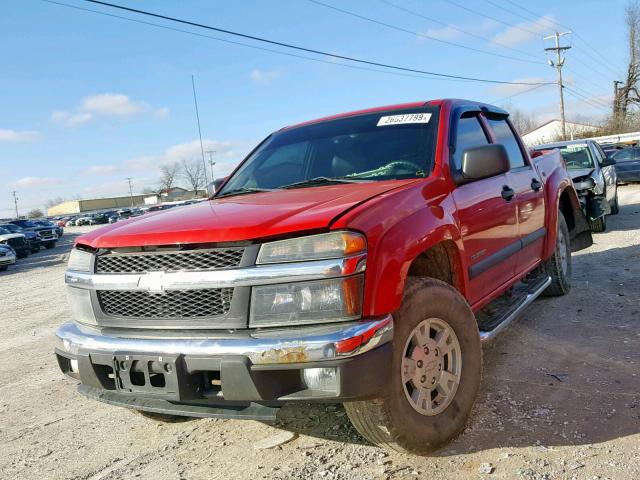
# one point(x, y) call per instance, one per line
point(301, 303)
point(79, 301)
point(313, 247)
point(80, 261)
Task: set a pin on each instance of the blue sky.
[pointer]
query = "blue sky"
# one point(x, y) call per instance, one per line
point(88, 100)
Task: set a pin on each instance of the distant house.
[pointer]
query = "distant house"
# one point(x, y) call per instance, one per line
point(551, 131)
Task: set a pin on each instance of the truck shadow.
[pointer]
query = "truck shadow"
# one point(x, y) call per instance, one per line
point(566, 374)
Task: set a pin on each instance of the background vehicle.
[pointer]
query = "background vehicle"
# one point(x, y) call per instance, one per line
point(358, 259)
point(628, 164)
point(7, 257)
point(48, 236)
point(46, 223)
point(594, 177)
point(17, 241)
point(32, 237)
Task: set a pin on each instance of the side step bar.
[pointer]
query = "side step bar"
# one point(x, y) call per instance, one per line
point(512, 314)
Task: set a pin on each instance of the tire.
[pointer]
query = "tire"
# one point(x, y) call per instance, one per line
point(392, 420)
point(3, 268)
point(22, 254)
point(164, 418)
point(35, 250)
point(49, 245)
point(598, 225)
point(558, 267)
point(615, 208)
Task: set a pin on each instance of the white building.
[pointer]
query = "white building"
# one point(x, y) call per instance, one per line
point(551, 131)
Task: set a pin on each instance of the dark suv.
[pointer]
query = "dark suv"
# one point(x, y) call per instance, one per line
point(48, 235)
point(32, 237)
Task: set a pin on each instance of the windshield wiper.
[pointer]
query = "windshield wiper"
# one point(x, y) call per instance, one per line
point(243, 191)
point(322, 180)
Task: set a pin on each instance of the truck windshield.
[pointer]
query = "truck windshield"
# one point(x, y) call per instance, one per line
point(372, 147)
point(577, 156)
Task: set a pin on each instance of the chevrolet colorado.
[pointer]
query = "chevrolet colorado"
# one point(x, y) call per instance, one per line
point(361, 258)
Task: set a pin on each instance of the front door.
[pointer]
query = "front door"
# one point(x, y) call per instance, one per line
point(487, 217)
point(529, 193)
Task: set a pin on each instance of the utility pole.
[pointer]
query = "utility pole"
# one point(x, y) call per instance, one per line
point(130, 180)
point(195, 101)
point(211, 162)
point(559, 63)
point(15, 202)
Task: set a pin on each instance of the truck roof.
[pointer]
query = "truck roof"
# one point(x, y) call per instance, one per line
point(401, 106)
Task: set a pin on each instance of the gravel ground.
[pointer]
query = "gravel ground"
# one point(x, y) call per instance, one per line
point(560, 397)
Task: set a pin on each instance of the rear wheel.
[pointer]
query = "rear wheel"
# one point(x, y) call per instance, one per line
point(50, 245)
point(435, 376)
point(558, 267)
point(598, 225)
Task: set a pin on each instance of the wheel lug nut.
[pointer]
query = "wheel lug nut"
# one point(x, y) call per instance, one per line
point(423, 379)
point(426, 350)
point(419, 363)
point(433, 380)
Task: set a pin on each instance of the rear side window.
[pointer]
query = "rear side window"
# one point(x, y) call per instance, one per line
point(624, 155)
point(469, 134)
point(504, 135)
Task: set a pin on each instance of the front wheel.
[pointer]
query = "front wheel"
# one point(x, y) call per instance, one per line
point(615, 208)
point(50, 245)
point(3, 268)
point(435, 373)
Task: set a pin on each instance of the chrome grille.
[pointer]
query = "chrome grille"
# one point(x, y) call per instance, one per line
point(172, 304)
point(141, 262)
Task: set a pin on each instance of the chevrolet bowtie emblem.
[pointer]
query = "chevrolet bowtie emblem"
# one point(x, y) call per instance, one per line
point(153, 282)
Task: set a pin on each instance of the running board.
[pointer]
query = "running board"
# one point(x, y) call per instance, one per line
point(512, 314)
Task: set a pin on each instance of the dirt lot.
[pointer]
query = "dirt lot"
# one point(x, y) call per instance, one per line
point(560, 398)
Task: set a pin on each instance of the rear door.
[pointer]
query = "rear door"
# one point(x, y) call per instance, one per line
point(488, 221)
point(628, 164)
point(529, 195)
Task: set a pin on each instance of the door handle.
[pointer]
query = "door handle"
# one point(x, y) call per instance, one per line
point(507, 193)
point(535, 184)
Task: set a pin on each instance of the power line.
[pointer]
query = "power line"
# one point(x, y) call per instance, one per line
point(308, 50)
point(583, 99)
point(255, 47)
point(457, 29)
point(500, 100)
point(563, 26)
point(418, 34)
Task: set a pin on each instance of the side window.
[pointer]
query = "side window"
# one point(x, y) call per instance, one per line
point(504, 135)
point(599, 156)
point(626, 155)
point(469, 134)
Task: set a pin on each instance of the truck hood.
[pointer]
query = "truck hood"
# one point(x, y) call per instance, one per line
point(8, 236)
point(239, 218)
point(579, 172)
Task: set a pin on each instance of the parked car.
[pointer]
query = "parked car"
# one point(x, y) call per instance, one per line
point(32, 237)
point(46, 223)
point(98, 219)
point(48, 236)
point(348, 259)
point(594, 177)
point(7, 257)
point(628, 164)
point(17, 241)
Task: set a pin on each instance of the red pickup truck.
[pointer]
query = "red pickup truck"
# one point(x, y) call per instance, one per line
point(361, 258)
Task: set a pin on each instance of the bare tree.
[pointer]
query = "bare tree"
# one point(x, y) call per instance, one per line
point(522, 122)
point(628, 93)
point(35, 213)
point(193, 174)
point(54, 201)
point(168, 175)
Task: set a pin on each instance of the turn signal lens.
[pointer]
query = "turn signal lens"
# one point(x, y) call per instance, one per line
point(313, 247)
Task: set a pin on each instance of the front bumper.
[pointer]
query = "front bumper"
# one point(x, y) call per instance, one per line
point(241, 374)
point(7, 259)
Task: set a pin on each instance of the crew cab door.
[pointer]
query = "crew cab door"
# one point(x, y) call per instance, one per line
point(486, 214)
point(529, 195)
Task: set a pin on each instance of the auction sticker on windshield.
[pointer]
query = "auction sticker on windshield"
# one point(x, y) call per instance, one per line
point(403, 119)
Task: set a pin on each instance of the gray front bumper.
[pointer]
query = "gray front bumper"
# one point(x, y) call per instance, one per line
point(252, 367)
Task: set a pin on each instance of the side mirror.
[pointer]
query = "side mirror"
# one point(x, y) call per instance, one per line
point(484, 162)
point(608, 162)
